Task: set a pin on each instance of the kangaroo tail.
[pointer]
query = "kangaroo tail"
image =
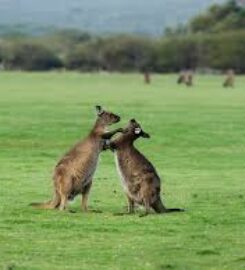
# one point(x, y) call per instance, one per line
point(45, 205)
point(169, 210)
point(52, 204)
point(161, 209)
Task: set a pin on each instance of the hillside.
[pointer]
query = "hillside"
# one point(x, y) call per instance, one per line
point(100, 16)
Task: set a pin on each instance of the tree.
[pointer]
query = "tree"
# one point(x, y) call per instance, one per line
point(29, 56)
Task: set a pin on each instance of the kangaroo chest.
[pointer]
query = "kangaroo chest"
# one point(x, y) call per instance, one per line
point(120, 171)
point(83, 165)
point(88, 164)
point(130, 179)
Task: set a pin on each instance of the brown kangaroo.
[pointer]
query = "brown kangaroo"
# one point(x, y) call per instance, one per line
point(139, 178)
point(185, 77)
point(147, 77)
point(181, 78)
point(229, 80)
point(189, 79)
point(74, 172)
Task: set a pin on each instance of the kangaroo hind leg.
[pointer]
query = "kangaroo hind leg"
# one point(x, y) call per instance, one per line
point(85, 194)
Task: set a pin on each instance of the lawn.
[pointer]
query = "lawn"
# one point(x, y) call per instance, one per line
point(197, 145)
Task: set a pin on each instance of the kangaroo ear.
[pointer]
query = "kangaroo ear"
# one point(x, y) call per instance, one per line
point(99, 109)
point(137, 131)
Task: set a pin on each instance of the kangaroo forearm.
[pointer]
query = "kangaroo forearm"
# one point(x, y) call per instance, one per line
point(110, 134)
point(108, 145)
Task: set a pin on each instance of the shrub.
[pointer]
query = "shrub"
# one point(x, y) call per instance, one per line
point(30, 56)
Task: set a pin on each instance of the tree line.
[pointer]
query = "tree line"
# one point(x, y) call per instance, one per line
point(194, 46)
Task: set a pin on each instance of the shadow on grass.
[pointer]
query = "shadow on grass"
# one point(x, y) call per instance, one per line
point(207, 252)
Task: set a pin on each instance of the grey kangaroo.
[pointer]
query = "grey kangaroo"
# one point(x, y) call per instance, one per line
point(230, 78)
point(139, 178)
point(74, 172)
point(185, 77)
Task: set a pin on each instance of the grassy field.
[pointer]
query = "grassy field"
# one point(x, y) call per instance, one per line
point(197, 145)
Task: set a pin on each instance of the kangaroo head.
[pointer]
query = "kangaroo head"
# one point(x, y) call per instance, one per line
point(134, 130)
point(106, 118)
point(130, 133)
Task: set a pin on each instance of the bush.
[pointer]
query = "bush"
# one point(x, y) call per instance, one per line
point(84, 58)
point(175, 54)
point(30, 56)
point(127, 53)
point(120, 53)
point(225, 51)
point(216, 51)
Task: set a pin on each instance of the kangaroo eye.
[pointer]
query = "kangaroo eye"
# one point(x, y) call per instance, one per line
point(137, 130)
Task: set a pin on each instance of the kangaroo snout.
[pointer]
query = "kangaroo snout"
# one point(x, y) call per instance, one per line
point(145, 135)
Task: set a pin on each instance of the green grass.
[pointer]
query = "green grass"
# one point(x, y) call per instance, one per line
point(197, 145)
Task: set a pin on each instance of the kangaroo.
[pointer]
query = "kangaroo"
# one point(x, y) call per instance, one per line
point(147, 77)
point(181, 78)
point(74, 172)
point(229, 80)
point(185, 77)
point(139, 178)
point(188, 79)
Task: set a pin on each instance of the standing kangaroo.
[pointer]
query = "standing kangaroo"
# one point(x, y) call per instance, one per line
point(147, 77)
point(230, 78)
point(181, 78)
point(185, 77)
point(189, 79)
point(74, 172)
point(139, 178)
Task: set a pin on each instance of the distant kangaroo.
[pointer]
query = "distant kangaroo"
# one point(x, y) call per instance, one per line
point(139, 178)
point(189, 79)
point(229, 80)
point(147, 77)
point(181, 78)
point(74, 172)
point(185, 77)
